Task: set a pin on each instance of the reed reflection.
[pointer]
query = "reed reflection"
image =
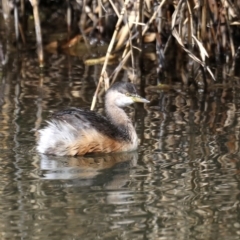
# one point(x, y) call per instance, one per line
point(193, 154)
point(85, 167)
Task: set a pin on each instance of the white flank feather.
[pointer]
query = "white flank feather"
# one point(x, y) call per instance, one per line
point(56, 133)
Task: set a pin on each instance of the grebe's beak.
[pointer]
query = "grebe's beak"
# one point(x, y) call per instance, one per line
point(137, 98)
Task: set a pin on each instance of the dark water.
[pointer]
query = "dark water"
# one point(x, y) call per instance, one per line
point(182, 183)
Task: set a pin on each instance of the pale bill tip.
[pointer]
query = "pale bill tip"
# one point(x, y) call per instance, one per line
point(140, 99)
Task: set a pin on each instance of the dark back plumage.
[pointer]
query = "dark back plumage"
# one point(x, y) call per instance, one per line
point(86, 119)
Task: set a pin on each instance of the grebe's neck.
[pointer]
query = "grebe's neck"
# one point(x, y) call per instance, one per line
point(119, 118)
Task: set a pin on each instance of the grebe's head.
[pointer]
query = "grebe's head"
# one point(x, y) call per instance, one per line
point(123, 94)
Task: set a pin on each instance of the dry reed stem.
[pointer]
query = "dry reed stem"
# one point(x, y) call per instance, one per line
point(69, 17)
point(153, 17)
point(175, 13)
point(120, 66)
point(83, 17)
point(178, 37)
point(22, 33)
point(6, 8)
point(204, 20)
point(181, 19)
point(232, 11)
point(34, 4)
point(125, 31)
point(230, 37)
point(114, 8)
point(190, 54)
point(94, 61)
point(90, 14)
point(100, 10)
point(146, 27)
point(203, 52)
point(131, 46)
point(132, 19)
point(22, 7)
point(110, 47)
point(126, 53)
point(235, 23)
point(82, 26)
point(190, 25)
point(148, 5)
point(16, 21)
point(136, 16)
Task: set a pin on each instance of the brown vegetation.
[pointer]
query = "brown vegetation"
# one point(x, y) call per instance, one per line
point(186, 34)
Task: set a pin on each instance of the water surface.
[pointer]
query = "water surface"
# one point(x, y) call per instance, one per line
point(182, 183)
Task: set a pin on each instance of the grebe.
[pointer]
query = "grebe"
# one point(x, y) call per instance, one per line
point(77, 132)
